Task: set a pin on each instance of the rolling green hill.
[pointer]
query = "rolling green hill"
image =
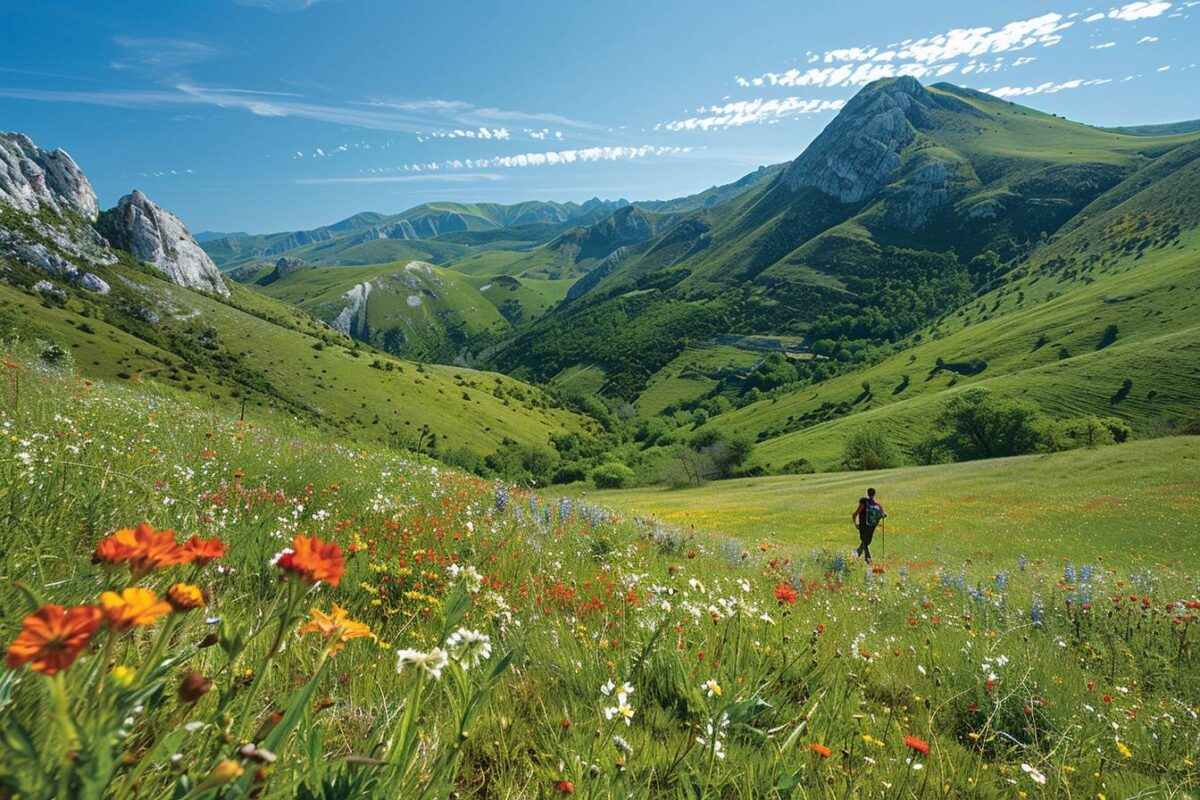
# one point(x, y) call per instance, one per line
point(414, 309)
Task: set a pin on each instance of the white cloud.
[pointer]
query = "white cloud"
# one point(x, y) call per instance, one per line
point(1131, 12)
point(540, 159)
point(1104, 46)
point(457, 177)
point(469, 133)
point(858, 66)
point(747, 112)
point(1048, 87)
point(1147, 39)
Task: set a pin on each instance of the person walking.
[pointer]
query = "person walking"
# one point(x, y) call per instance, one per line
point(866, 517)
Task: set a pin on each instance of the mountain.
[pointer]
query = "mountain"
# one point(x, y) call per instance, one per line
point(913, 200)
point(155, 312)
point(369, 237)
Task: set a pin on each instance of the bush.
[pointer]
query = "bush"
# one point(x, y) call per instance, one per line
point(870, 449)
point(798, 466)
point(612, 476)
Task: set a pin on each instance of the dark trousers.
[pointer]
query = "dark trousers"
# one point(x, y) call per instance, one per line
point(865, 535)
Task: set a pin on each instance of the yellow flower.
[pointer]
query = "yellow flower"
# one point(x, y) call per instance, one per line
point(122, 675)
point(133, 607)
point(225, 772)
point(336, 626)
point(1125, 751)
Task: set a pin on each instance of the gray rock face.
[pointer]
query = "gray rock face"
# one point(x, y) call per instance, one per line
point(288, 266)
point(94, 283)
point(32, 179)
point(857, 154)
point(160, 238)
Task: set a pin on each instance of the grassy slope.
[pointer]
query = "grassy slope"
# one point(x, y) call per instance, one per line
point(268, 358)
point(1128, 263)
point(1133, 503)
point(436, 311)
point(693, 373)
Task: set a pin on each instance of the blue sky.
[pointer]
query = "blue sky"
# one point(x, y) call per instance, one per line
point(264, 115)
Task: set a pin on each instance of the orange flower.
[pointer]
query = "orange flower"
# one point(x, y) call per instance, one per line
point(133, 607)
point(52, 637)
point(313, 560)
point(821, 750)
point(335, 625)
point(785, 592)
point(143, 548)
point(202, 551)
point(185, 596)
point(920, 745)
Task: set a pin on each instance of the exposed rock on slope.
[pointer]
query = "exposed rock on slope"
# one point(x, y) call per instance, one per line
point(160, 238)
point(857, 154)
point(32, 179)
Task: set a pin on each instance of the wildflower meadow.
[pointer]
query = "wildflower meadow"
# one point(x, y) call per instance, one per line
point(201, 607)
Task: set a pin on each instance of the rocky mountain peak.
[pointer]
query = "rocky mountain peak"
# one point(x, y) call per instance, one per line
point(156, 236)
point(32, 179)
point(856, 155)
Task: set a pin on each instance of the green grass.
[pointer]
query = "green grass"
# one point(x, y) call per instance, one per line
point(693, 373)
point(1132, 504)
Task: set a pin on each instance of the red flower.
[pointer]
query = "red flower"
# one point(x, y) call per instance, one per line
point(566, 723)
point(52, 638)
point(821, 750)
point(203, 551)
point(914, 743)
point(566, 787)
point(785, 593)
point(314, 560)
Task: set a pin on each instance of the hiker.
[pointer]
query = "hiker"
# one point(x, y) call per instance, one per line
point(868, 514)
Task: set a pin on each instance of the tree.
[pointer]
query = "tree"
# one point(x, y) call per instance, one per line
point(724, 453)
point(980, 425)
point(869, 449)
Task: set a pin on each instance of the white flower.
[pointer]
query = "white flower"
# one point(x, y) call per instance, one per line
point(469, 647)
point(472, 580)
point(1033, 773)
point(712, 688)
point(609, 688)
point(622, 710)
point(432, 662)
point(666, 606)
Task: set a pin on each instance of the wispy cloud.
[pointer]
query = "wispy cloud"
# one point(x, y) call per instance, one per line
point(748, 112)
point(1131, 12)
point(279, 6)
point(1049, 87)
point(858, 66)
point(442, 177)
point(540, 159)
point(162, 54)
point(448, 118)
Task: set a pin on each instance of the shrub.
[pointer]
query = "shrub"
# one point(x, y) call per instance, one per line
point(612, 475)
point(870, 449)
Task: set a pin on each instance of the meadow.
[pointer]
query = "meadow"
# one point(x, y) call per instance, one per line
point(195, 607)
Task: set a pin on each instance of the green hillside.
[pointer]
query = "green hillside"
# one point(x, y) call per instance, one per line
point(260, 354)
point(414, 309)
point(972, 176)
point(1129, 262)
